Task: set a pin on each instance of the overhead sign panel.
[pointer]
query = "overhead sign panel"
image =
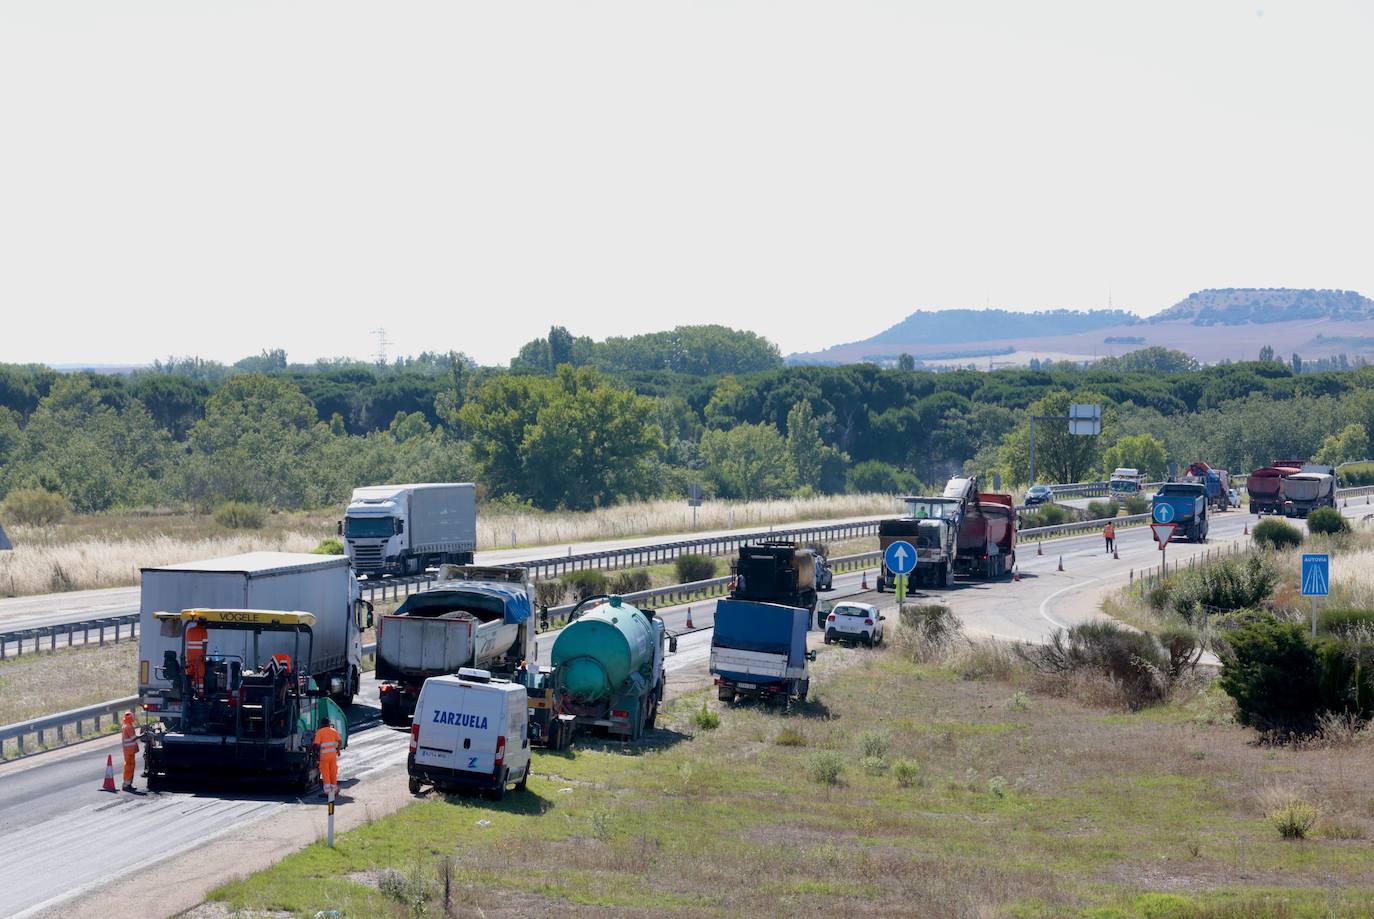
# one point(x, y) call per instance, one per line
point(1316, 574)
point(1085, 419)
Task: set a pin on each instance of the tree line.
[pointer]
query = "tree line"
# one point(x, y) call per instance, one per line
point(582, 436)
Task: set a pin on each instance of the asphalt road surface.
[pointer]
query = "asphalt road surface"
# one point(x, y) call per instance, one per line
point(52, 812)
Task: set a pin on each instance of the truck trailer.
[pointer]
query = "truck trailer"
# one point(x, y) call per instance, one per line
point(1183, 504)
point(322, 585)
point(478, 617)
point(987, 537)
point(758, 651)
point(1265, 485)
point(1305, 491)
point(404, 529)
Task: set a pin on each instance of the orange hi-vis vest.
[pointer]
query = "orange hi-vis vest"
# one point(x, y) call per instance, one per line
point(130, 740)
point(329, 740)
point(1109, 532)
point(196, 638)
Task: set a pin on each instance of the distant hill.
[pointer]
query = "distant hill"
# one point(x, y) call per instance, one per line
point(1237, 305)
point(948, 327)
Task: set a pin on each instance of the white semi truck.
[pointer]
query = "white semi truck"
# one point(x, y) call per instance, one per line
point(322, 585)
point(404, 529)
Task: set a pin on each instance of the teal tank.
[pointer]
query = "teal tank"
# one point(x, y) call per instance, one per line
point(594, 656)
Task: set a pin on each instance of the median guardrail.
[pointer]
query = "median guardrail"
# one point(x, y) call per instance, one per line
point(111, 628)
point(64, 727)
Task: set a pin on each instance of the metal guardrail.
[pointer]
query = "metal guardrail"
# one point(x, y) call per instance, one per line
point(12, 644)
point(397, 586)
point(67, 726)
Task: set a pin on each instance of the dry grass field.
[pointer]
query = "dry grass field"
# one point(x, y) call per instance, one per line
point(900, 789)
point(41, 684)
point(107, 550)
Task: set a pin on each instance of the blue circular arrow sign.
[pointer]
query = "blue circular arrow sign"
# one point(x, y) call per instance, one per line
point(1164, 513)
point(900, 557)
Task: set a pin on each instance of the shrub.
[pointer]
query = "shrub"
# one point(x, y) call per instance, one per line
point(628, 582)
point(549, 593)
point(1327, 521)
point(1346, 622)
point(1341, 828)
point(584, 584)
point(1270, 669)
point(874, 765)
point(929, 631)
point(691, 568)
point(1047, 515)
point(1223, 586)
point(1184, 647)
point(1345, 677)
point(1102, 510)
point(1356, 474)
point(906, 773)
point(1136, 504)
point(987, 660)
point(875, 743)
point(790, 737)
point(874, 477)
point(36, 507)
point(241, 515)
point(1293, 817)
point(1276, 534)
point(330, 546)
point(825, 767)
point(705, 719)
point(1134, 662)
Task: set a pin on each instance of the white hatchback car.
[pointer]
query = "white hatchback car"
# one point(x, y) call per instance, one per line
point(854, 622)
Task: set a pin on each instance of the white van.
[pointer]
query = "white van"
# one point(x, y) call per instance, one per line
point(470, 731)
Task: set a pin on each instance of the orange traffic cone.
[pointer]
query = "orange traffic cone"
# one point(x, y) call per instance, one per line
point(1061, 563)
point(864, 584)
point(109, 775)
point(689, 618)
point(1015, 573)
point(1247, 530)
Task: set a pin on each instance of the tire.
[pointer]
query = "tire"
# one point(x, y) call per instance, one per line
point(524, 778)
point(498, 793)
point(392, 716)
point(805, 687)
point(879, 639)
point(725, 695)
point(653, 713)
point(414, 785)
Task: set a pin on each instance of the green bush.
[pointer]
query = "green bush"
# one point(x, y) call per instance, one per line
point(873, 765)
point(584, 584)
point(549, 593)
point(874, 477)
point(790, 737)
point(330, 546)
point(1136, 504)
point(1345, 677)
point(1276, 534)
point(35, 507)
point(1270, 669)
point(1293, 818)
point(1219, 587)
point(1134, 662)
point(1345, 623)
point(691, 568)
point(906, 773)
point(875, 743)
point(825, 767)
point(1357, 474)
point(1184, 647)
point(705, 719)
point(1103, 510)
point(628, 582)
point(241, 515)
point(1047, 515)
point(1327, 521)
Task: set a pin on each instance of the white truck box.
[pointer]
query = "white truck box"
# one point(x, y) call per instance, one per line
point(320, 584)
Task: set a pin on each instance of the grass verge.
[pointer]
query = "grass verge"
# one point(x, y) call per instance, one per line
point(42, 684)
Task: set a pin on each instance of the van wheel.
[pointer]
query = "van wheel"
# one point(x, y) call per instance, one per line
point(524, 779)
point(499, 792)
point(414, 785)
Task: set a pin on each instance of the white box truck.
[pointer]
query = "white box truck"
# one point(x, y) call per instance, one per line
point(322, 585)
point(471, 731)
point(404, 529)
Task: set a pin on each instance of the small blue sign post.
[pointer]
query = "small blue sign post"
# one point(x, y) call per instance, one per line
point(1316, 580)
point(900, 559)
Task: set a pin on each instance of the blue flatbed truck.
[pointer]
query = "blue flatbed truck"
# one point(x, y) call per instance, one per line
point(1183, 504)
point(758, 650)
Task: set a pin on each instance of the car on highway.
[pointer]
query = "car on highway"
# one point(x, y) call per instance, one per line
point(1233, 496)
point(1039, 494)
point(825, 576)
point(854, 622)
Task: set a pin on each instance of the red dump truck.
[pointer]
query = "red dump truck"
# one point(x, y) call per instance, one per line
point(987, 537)
point(1265, 485)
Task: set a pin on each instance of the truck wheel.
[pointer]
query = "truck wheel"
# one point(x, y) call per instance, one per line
point(414, 785)
point(653, 710)
point(801, 693)
point(726, 694)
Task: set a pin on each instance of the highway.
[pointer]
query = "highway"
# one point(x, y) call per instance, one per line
point(41, 610)
point(50, 803)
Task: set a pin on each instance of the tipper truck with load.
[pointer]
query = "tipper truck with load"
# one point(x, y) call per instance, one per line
point(322, 585)
point(1312, 487)
point(473, 616)
point(1265, 485)
point(404, 529)
point(606, 668)
point(247, 713)
point(758, 650)
point(1184, 504)
point(987, 537)
point(1217, 482)
point(776, 572)
point(931, 525)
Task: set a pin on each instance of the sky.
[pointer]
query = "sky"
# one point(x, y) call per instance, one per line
point(213, 179)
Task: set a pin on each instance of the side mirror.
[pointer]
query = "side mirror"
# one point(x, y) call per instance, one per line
point(400, 526)
point(811, 655)
point(672, 644)
point(882, 618)
point(338, 528)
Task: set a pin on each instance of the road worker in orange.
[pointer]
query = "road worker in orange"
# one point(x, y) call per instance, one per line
point(1109, 533)
point(328, 740)
point(129, 737)
point(197, 637)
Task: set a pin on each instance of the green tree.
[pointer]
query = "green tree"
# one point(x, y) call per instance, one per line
point(906, 362)
point(804, 444)
point(1139, 451)
point(1059, 455)
point(748, 461)
point(1351, 443)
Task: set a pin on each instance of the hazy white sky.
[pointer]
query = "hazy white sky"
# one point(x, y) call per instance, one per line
point(215, 178)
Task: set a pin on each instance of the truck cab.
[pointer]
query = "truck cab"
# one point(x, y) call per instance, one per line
point(403, 529)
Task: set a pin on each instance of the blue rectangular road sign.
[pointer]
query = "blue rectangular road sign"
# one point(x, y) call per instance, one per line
point(1316, 574)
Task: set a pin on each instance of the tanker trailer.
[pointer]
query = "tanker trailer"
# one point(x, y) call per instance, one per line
point(607, 667)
